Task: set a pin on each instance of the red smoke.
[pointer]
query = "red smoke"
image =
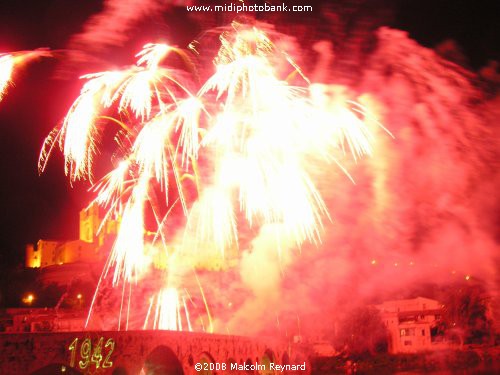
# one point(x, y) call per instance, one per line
point(423, 209)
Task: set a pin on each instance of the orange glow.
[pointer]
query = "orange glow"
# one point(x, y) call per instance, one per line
point(28, 299)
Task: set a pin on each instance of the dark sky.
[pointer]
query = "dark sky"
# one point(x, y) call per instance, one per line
point(34, 207)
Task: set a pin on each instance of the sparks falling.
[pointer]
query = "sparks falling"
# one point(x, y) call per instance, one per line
point(244, 141)
point(166, 311)
point(10, 61)
point(6, 68)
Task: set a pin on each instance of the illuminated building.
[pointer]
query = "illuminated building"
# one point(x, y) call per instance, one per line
point(410, 323)
point(33, 257)
point(88, 248)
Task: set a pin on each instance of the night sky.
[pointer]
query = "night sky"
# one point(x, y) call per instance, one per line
point(34, 207)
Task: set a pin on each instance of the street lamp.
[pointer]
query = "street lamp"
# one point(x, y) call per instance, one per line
point(79, 299)
point(28, 299)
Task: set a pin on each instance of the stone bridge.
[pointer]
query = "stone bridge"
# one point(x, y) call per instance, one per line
point(145, 352)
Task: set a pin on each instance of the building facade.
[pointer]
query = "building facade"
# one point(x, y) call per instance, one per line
point(410, 322)
point(88, 248)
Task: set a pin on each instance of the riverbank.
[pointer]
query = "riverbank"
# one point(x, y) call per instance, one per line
point(477, 359)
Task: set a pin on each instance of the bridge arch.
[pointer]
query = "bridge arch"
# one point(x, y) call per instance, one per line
point(299, 358)
point(231, 361)
point(162, 361)
point(285, 360)
point(249, 364)
point(267, 358)
point(205, 359)
point(120, 371)
point(56, 368)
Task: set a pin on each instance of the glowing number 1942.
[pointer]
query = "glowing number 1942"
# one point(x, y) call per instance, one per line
point(89, 356)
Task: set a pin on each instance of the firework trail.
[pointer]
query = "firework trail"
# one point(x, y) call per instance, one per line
point(167, 314)
point(136, 86)
point(10, 61)
point(245, 139)
point(6, 68)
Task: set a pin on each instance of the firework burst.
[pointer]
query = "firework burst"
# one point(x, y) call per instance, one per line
point(245, 139)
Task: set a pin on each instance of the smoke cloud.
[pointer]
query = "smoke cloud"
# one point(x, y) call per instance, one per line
point(420, 211)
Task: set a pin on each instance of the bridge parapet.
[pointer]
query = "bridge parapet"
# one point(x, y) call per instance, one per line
point(143, 352)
